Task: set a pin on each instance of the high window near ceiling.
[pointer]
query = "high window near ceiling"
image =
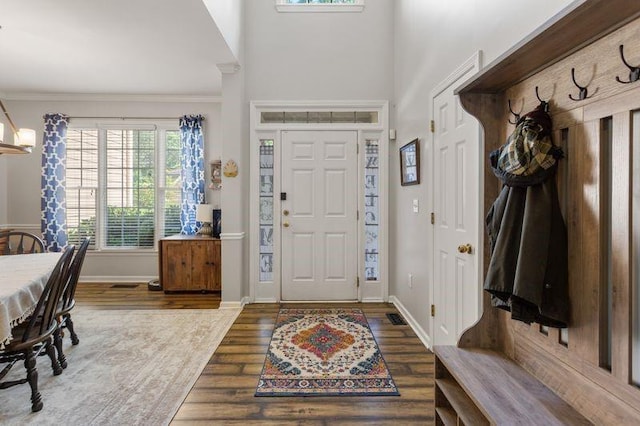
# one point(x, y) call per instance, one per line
point(319, 5)
point(123, 185)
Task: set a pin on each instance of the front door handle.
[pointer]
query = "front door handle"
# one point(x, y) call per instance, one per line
point(465, 248)
point(285, 224)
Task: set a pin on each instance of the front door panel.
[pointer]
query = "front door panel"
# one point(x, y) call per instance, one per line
point(319, 223)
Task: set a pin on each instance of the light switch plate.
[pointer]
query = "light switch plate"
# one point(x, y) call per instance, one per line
point(415, 206)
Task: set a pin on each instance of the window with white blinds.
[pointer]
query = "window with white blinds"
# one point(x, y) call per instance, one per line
point(82, 184)
point(123, 186)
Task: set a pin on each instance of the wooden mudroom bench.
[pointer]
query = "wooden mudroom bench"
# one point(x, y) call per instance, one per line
point(507, 372)
point(480, 386)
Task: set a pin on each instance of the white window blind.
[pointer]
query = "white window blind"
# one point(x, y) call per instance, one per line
point(82, 184)
point(123, 186)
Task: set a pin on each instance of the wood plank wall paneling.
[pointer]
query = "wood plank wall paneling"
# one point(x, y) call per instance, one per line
point(621, 230)
point(576, 372)
point(224, 393)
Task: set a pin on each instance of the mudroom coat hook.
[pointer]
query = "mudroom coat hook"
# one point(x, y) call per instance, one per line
point(583, 90)
point(634, 72)
point(516, 115)
point(546, 103)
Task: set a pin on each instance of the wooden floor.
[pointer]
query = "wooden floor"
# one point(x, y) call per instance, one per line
point(224, 393)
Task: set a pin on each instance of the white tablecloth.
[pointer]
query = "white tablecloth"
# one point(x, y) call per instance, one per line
point(22, 279)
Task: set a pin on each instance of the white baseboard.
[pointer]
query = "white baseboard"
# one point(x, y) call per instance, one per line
point(422, 335)
point(265, 300)
point(240, 304)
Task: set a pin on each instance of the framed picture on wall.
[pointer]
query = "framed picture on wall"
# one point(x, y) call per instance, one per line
point(410, 163)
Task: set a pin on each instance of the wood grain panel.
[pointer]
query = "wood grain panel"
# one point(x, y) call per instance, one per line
point(620, 246)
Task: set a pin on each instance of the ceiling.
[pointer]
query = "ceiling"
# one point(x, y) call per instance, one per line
point(109, 47)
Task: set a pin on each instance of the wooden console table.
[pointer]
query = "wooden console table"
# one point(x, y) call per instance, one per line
point(190, 263)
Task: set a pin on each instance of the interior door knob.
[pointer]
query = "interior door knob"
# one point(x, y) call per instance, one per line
point(285, 212)
point(465, 248)
point(285, 224)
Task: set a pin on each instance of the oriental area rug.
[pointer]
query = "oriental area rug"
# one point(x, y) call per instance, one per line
point(131, 367)
point(324, 352)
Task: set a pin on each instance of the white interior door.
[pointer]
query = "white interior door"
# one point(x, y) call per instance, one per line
point(318, 217)
point(456, 286)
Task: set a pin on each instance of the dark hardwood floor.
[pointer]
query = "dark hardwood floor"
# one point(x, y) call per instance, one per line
point(224, 392)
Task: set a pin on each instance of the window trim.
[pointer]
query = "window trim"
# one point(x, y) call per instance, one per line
point(160, 127)
point(284, 6)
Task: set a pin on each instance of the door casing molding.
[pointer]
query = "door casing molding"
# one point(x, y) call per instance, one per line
point(270, 292)
point(473, 63)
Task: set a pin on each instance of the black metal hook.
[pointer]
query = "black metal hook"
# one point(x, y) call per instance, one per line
point(545, 103)
point(634, 72)
point(516, 115)
point(583, 90)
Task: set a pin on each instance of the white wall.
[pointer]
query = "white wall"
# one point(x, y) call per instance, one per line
point(432, 38)
point(319, 56)
point(22, 200)
point(227, 15)
point(314, 57)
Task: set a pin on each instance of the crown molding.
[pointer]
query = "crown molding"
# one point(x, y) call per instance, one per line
point(98, 97)
point(229, 67)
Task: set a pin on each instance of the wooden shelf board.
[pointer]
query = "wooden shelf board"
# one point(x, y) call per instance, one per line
point(571, 29)
point(461, 403)
point(503, 391)
point(447, 416)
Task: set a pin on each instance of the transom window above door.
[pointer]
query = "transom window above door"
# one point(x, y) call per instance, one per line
point(319, 5)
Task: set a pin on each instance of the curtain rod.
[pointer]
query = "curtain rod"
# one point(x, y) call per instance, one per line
point(129, 118)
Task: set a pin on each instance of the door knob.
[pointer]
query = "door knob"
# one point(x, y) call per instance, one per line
point(285, 224)
point(285, 212)
point(464, 248)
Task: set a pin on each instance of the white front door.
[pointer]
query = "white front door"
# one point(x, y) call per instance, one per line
point(318, 217)
point(456, 286)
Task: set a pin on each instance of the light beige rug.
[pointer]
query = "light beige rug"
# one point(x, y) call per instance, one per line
point(130, 368)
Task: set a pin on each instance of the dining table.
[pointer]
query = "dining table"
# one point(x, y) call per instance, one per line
point(22, 280)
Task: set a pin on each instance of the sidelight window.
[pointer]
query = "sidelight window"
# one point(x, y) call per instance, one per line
point(371, 210)
point(266, 210)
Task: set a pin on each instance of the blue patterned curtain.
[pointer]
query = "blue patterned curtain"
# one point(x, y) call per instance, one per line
point(192, 159)
point(53, 194)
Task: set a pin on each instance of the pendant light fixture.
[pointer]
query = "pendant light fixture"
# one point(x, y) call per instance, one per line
point(23, 139)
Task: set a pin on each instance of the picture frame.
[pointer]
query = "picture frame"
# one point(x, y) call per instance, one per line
point(216, 175)
point(410, 163)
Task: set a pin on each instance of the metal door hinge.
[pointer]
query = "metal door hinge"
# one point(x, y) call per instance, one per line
point(433, 218)
point(432, 126)
point(357, 214)
point(357, 148)
point(358, 282)
point(433, 310)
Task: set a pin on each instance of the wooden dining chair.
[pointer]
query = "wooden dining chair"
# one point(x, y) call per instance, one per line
point(34, 335)
point(67, 302)
point(20, 242)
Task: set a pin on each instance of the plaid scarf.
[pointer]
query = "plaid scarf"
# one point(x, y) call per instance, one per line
point(529, 149)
